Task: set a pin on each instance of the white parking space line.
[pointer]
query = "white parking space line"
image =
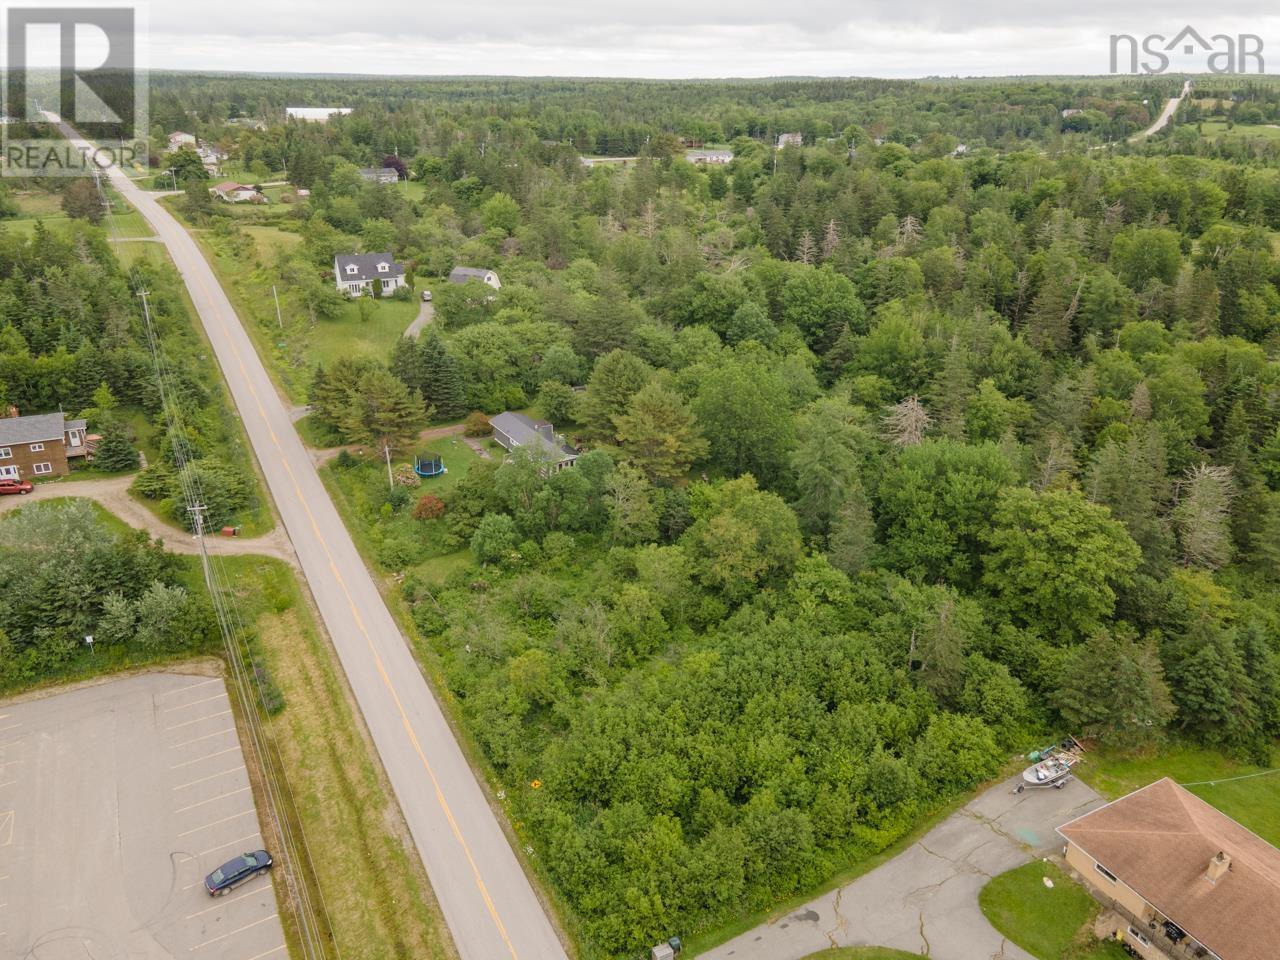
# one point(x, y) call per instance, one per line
point(187, 743)
point(187, 723)
point(235, 816)
point(189, 686)
point(222, 903)
point(229, 843)
point(194, 703)
point(12, 726)
point(231, 933)
point(268, 953)
point(8, 783)
point(221, 796)
point(212, 776)
point(187, 763)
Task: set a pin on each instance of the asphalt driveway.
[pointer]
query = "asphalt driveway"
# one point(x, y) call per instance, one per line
point(925, 900)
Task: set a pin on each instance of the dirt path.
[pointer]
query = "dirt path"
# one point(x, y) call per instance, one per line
point(426, 313)
point(113, 494)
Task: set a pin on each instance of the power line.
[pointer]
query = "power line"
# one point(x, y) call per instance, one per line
point(232, 627)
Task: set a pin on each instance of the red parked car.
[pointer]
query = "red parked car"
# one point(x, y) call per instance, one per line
point(9, 485)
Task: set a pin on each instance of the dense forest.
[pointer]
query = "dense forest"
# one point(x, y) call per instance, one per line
point(897, 457)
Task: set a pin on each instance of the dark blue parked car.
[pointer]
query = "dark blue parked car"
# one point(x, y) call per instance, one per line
point(237, 871)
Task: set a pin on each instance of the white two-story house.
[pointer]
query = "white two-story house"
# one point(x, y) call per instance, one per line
point(357, 273)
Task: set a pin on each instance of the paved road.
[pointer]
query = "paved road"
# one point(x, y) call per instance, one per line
point(1166, 114)
point(487, 900)
point(113, 494)
point(426, 313)
point(926, 899)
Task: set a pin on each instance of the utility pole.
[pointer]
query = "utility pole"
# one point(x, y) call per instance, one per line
point(174, 177)
point(276, 296)
point(386, 449)
point(197, 513)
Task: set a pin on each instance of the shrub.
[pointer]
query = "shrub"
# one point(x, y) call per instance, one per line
point(476, 425)
point(406, 476)
point(429, 507)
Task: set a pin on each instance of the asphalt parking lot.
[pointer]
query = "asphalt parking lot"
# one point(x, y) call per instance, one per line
point(115, 801)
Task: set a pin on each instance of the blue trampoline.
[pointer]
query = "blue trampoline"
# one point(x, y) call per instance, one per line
point(427, 464)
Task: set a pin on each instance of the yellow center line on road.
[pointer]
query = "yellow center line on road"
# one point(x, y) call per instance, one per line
point(377, 659)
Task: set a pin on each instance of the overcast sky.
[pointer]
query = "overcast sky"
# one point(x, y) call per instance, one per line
point(679, 38)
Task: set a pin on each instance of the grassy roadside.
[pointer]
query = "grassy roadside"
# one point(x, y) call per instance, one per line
point(559, 911)
point(290, 345)
point(378, 900)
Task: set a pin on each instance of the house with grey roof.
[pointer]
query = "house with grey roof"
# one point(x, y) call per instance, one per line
point(373, 273)
point(40, 445)
point(379, 174)
point(515, 431)
point(463, 274)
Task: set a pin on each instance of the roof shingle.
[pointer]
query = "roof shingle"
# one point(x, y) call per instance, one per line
point(1159, 841)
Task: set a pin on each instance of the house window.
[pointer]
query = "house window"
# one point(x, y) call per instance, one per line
point(352, 268)
point(37, 446)
point(383, 268)
point(41, 468)
point(1137, 935)
point(5, 453)
point(1105, 872)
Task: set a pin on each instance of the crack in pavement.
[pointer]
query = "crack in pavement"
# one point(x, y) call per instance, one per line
point(842, 922)
point(923, 938)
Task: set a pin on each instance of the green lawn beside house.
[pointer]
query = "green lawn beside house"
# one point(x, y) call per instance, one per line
point(1233, 787)
point(1050, 923)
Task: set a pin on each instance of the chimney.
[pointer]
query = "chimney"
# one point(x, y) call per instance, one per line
point(1218, 867)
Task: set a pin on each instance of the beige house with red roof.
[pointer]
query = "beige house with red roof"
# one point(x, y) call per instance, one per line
point(1183, 880)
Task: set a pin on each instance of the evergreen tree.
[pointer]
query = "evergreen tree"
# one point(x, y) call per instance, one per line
point(659, 433)
point(114, 451)
point(1113, 689)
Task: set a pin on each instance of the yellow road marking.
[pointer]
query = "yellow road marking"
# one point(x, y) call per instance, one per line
point(382, 672)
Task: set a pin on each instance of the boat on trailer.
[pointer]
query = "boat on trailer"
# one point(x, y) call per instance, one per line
point(1052, 766)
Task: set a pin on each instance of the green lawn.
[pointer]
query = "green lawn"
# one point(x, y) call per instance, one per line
point(1050, 923)
point(348, 335)
point(1253, 802)
point(412, 189)
point(397, 542)
point(291, 351)
point(1213, 129)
